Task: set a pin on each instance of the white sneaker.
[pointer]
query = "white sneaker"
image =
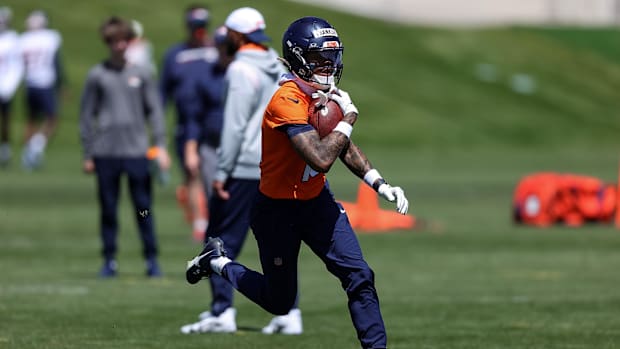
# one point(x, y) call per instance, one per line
point(205, 314)
point(225, 323)
point(196, 326)
point(285, 324)
point(31, 160)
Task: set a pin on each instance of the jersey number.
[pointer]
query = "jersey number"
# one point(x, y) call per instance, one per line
point(308, 173)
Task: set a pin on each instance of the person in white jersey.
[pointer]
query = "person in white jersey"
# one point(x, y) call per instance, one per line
point(11, 71)
point(40, 47)
point(140, 50)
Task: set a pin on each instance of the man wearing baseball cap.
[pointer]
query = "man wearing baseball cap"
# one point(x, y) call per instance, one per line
point(251, 79)
point(249, 22)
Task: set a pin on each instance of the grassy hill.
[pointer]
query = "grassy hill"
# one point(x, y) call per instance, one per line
point(416, 87)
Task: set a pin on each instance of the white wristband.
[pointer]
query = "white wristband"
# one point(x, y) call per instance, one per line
point(345, 128)
point(371, 177)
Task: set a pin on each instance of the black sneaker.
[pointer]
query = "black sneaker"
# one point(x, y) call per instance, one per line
point(200, 267)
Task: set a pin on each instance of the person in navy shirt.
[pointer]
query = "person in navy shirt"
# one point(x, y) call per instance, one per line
point(182, 63)
point(205, 108)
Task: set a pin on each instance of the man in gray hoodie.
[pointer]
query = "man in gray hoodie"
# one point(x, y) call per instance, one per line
point(117, 101)
point(250, 81)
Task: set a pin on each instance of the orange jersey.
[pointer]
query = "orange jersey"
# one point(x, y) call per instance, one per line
point(284, 173)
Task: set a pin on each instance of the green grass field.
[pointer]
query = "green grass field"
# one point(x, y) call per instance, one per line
point(455, 142)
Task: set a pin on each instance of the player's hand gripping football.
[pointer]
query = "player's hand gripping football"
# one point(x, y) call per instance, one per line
point(344, 100)
point(322, 97)
point(392, 194)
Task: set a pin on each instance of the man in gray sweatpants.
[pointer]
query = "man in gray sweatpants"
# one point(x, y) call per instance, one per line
point(117, 101)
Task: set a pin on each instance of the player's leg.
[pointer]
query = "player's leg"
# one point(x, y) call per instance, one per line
point(50, 111)
point(32, 111)
point(230, 221)
point(5, 128)
point(208, 166)
point(108, 172)
point(197, 205)
point(274, 226)
point(190, 195)
point(140, 189)
point(181, 191)
point(278, 243)
point(331, 237)
point(41, 103)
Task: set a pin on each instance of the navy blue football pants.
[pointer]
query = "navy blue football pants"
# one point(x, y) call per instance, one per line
point(230, 221)
point(279, 227)
point(109, 172)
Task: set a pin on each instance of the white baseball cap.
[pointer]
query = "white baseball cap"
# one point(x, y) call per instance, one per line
point(248, 21)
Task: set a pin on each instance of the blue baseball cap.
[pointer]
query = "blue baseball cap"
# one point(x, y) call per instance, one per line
point(197, 17)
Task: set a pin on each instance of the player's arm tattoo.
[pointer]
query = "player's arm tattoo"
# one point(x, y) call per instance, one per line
point(355, 160)
point(319, 153)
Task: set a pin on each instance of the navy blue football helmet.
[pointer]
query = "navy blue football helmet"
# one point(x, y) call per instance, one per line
point(313, 51)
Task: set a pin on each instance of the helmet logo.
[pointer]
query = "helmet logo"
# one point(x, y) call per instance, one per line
point(331, 44)
point(322, 32)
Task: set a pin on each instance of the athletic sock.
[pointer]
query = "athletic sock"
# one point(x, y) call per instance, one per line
point(217, 264)
point(38, 142)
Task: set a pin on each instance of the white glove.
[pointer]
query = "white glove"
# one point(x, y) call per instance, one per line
point(392, 194)
point(322, 96)
point(344, 101)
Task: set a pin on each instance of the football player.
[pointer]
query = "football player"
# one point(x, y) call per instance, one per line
point(11, 70)
point(44, 75)
point(181, 64)
point(295, 203)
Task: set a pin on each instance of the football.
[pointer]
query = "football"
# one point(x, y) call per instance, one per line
point(324, 118)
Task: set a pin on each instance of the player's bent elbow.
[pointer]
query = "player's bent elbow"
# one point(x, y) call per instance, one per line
point(322, 166)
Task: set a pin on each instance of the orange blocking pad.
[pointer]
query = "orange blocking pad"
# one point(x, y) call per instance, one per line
point(617, 220)
point(546, 198)
point(366, 216)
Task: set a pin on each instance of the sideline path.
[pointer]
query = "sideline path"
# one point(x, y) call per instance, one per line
point(480, 12)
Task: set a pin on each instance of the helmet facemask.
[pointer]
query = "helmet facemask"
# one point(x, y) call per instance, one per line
point(323, 67)
point(312, 51)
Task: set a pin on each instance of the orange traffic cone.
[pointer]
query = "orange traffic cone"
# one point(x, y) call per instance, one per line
point(365, 215)
point(617, 221)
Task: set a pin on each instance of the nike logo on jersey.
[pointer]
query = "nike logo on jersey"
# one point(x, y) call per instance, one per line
point(293, 99)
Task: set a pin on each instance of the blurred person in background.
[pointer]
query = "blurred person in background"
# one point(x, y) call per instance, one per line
point(204, 105)
point(44, 77)
point(140, 49)
point(117, 102)
point(11, 70)
point(294, 202)
point(250, 81)
point(181, 64)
